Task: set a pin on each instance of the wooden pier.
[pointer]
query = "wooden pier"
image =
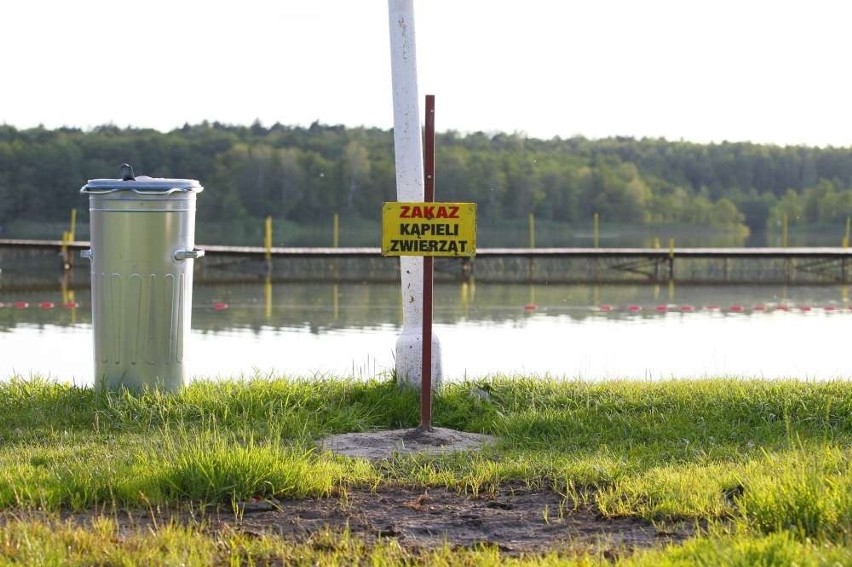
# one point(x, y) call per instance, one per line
point(811, 265)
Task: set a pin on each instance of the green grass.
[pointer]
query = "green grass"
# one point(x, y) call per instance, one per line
point(765, 464)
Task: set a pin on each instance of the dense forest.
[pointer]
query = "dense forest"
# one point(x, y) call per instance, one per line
point(300, 174)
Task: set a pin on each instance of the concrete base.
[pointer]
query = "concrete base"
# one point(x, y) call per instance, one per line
point(377, 445)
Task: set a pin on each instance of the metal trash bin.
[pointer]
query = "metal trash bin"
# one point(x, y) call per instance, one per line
point(142, 247)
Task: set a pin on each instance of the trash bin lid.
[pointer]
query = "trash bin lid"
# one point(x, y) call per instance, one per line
point(142, 185)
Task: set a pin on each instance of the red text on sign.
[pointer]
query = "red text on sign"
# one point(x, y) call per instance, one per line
point(429, 212)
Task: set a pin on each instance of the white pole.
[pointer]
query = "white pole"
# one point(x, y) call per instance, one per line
point(408, 154)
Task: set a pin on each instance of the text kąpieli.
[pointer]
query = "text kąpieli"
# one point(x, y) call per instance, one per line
point(424, 229)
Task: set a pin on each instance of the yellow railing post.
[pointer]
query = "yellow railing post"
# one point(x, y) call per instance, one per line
point(846, 237)
point(596, 236)
point(267, 238)
point(335, 237)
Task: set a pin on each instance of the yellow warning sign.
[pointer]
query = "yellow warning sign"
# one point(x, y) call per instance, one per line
point(428, 229)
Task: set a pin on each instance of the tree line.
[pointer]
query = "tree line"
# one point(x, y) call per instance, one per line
point(302, 174)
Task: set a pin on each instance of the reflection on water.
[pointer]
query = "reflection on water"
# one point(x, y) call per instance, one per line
point(349, 329)
point(568, 331)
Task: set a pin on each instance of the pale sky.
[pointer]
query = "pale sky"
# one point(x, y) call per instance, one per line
point(699, 70)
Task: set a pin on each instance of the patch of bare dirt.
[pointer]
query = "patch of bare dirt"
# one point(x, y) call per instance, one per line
point(516, 519)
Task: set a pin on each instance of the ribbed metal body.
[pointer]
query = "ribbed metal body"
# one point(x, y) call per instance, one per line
point(141, 267)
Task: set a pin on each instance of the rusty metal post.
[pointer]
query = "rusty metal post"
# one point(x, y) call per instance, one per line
point(428, 271)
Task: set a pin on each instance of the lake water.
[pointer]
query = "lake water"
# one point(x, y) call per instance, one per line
point(267, 328)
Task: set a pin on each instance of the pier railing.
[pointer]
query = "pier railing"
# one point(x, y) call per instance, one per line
point(531, 265)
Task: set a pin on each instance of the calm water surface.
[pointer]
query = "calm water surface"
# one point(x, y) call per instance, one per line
point(572, 331)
